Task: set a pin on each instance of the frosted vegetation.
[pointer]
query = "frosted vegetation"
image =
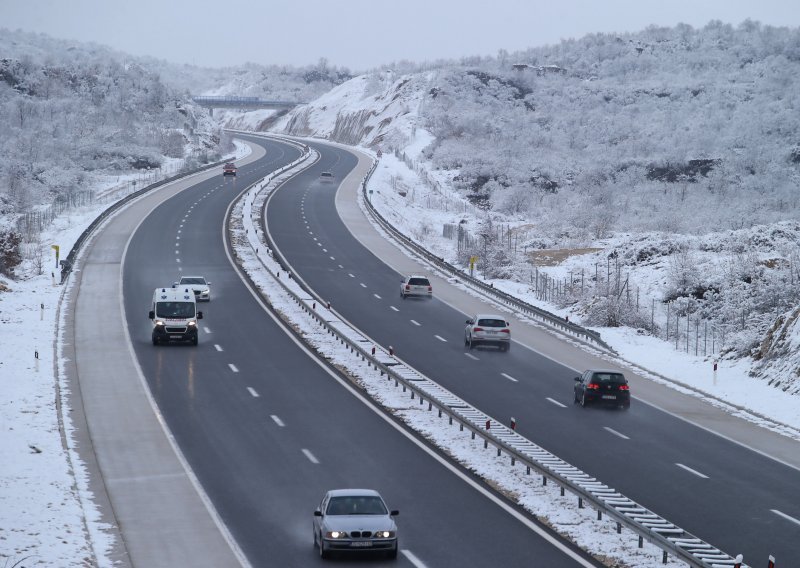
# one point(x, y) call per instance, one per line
point(663, 166)
point(76, 118)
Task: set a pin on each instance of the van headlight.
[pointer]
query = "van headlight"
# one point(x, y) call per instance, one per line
point(191, 323)
point(159, 323)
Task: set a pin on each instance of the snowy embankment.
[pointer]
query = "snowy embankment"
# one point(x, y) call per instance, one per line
point(47, 516)
point(560, 512)
point(382, 111)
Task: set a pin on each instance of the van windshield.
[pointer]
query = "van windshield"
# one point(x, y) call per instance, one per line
point(176, 310)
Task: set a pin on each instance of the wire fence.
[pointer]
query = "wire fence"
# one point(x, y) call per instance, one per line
point(30, 225)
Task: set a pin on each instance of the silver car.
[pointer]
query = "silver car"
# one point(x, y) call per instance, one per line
point(488, 329)
point(199, 285)
point(416, 286)
point(354, 520)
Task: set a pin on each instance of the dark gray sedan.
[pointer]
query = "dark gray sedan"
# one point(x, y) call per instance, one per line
point(354, 520)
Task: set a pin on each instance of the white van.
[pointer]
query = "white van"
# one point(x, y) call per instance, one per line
point(174, 315)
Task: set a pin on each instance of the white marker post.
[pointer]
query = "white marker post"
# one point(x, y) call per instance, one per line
point(715, 372)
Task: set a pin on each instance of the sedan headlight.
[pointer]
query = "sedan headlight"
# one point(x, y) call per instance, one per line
point(204, 291)
point(335, 534)
point(384, 534)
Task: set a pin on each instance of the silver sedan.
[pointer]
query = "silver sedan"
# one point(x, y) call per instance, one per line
point(354, 520)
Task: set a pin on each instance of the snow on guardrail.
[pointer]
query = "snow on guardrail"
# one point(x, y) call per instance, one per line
point(253, 251)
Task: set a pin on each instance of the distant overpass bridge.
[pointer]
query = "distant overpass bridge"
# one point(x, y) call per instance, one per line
point(231, 101)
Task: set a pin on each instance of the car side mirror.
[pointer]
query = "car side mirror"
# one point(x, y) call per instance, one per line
point(508, 324)
point(199, 315)
point(468, 322)
point(152, 315)
point(578, 379)
point(317, 513)
point(394, 513)
point(174, 284)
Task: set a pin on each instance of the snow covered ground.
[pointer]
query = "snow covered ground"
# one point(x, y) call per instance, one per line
point(422, 213)
point(47, 517)
point(47, 514)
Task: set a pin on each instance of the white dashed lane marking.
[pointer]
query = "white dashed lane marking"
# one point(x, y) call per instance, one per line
point(252, 392)
point(363, 285)
point(395, 309)
point(310, 456)
point(556, 402)
point(218, 347)
point(377, 296)
point(440, 338)
point(471, 356)
point(233, 367)
point(785, 516)
point(693, 471)
point(509, 377)
point(277, 420)
point(620, 434)
point(413, 559)
point(415, 322)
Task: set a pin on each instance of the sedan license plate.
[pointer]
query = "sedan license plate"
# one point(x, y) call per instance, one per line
point(176, 337)
point(610, 396)
point(361, 544)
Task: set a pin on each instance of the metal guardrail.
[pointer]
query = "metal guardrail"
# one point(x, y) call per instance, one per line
point(552, 320)
point(671, 539)
point(67, 263)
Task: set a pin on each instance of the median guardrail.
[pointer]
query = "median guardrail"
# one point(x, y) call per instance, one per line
point(250, 227)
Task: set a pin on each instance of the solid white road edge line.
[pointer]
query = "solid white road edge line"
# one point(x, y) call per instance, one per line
point(690, 470)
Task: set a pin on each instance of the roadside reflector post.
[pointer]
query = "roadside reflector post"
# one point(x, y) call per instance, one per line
point(513, 423)
point(41, 312)
point(664, 557)
point(488, 424)
point(771, 563)
point(738, 560)
point(391, 351)
point(715, 373)
point(313, 305)
point(373, 350)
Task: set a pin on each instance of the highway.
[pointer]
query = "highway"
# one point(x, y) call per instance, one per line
point(267, 429)
point(737, 499)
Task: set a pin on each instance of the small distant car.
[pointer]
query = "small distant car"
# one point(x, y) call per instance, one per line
point(229, 169)
point(488, 329)
point(354, 520)
point(199, 285)
point(416, 286)
point(326, 176)
point(599, 386)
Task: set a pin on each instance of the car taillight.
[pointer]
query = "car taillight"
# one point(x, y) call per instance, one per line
point(593, 386)
point(408, 287)
point(624, 388)
point(505, 331)
point(430, 288)
point(477, 329)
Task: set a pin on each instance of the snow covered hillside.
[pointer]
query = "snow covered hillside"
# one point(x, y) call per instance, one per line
point(647, 180)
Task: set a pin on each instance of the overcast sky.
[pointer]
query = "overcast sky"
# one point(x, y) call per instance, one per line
point(360, 34)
